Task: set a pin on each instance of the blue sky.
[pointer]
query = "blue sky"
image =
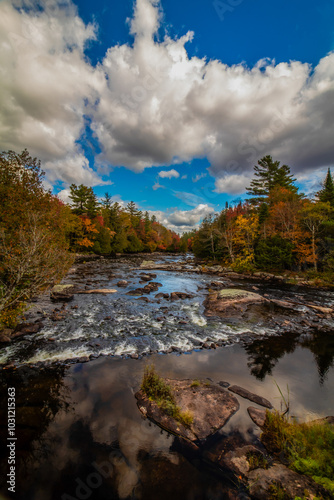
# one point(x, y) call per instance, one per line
point(168, 104)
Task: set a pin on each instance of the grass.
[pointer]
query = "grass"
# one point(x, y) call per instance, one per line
point(157, 390)
point(195, 383)
point(256, 460)
point(307, 448)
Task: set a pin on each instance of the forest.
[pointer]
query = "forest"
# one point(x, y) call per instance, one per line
point(276, 228)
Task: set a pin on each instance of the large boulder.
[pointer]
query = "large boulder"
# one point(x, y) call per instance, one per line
point(210, 405)
point(231, 302)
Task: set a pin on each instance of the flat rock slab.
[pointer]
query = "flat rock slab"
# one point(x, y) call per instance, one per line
point(211, 407)
point(244, 393)
point(231, 302)
point(258, 416)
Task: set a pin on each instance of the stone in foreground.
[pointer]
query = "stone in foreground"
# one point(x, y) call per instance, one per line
point(258, 416)
point(211, 407)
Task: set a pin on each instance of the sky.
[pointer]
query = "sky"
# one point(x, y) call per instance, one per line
point(165, 103)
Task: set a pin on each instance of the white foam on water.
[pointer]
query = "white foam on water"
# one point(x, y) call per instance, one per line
point(58, 356)
point(197, 319)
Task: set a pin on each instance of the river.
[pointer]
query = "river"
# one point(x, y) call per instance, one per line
point(79, 432)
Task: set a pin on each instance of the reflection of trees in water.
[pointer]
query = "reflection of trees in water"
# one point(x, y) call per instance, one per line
point(264, 354)
point(321, 344)
point(40, 394)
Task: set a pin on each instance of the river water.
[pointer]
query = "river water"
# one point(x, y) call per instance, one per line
point(79, 432)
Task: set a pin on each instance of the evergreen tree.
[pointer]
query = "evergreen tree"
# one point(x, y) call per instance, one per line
point(326, 194)
point(268, 175)
point(84, 200)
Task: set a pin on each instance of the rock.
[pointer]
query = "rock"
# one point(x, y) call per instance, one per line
point(100, 290)
point(4, 337)
point(231, 302)
point(134, 356)
point(258, 416)
point(244, 393)
point(180, 295)
point(146, 277)
point(162, 296)
point(26, 329)
point(210, 405)
point(83, 359)
point(122, 283)
point(62, 293)
point(147, 263)
point(290, 483)
point(223, 384)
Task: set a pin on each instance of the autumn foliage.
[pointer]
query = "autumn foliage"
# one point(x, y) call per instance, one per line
point(276, 229)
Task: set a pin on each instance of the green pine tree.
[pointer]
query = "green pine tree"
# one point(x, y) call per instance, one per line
point(326, 194)
point(268, 175)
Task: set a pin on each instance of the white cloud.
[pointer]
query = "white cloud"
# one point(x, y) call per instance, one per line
point(181, 221)
point(184, 177)
point(233, 184)
point(157, 186)
point(44, 84)
point(169, 174)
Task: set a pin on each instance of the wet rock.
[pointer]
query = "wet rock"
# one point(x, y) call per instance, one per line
point(62, 293)
point(210, 405)
point(180, 295)
point(26, 329)
point(97, 291)
point(231, 302)
point(74, 307)
point(134, 356)
point(244, 393)
point(258, 416)
point(162, 296)
point(107, 318)
point(144, 299)
point(5, 335)
point(147, 277)
point(122, 283)
point(83, 359)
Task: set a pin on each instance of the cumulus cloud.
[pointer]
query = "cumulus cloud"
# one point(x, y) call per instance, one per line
point(149, 103)
point(159, 106)
point(45, 83)
point(169, 174)
point(233, 184)
point(181, 221)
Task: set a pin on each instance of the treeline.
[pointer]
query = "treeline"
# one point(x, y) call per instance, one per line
point(108, 228)
point(277, 228)
point(39, 234)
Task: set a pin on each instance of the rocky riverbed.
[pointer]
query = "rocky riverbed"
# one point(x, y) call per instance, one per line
point(134, 307)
